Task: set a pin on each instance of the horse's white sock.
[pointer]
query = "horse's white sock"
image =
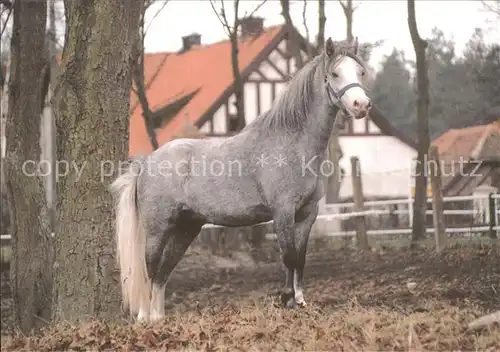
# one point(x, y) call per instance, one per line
point(299, 294)
point(143, 316)
point(157, 302)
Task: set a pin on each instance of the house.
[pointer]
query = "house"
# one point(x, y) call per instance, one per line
point(195, 85)
point(470, 163)
point(470, 157)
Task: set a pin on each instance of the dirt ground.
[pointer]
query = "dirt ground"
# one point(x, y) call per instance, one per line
point(355, 302)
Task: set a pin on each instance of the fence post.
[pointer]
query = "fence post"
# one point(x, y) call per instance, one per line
point(357, 190)
point(493, 216)
point(437, 198)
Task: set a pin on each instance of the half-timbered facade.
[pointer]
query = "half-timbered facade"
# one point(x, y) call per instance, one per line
point(195, 85)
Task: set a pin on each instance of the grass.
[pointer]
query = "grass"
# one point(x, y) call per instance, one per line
point(356, 302)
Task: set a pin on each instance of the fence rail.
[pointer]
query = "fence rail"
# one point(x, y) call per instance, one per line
point(479, 228)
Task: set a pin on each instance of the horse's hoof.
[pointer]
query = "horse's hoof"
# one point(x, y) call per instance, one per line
point(156, 318)
point(291, 303)
point(142, 321)
point(302, 304)
point(286, 297)
point(299, 298)
point(142, 317)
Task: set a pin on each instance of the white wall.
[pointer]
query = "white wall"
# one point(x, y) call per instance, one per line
point(386, 165)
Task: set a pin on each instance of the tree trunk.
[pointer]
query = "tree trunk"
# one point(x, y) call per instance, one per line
point(335, 154)
point(140, 83)
point(293, 40)
point(238, 82)
point(420, 206)
point(321, 25)
point(92, 113)
point(31, 242)
point(348, 11)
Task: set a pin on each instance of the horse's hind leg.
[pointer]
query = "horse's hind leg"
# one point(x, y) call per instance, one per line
point(304, 221)
point(178, 240)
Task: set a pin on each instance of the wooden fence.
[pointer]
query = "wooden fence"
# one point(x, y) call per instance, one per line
point(479, 214)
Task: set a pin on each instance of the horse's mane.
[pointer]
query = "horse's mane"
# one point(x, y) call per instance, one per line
point(290, 108)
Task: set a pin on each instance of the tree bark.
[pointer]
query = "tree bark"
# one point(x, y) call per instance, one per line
point(420, 206)
point(335, 153)
point(293, 40)
point(92, 111)
point(31, 273)
point(348, 12)
point(238, 82)
point(310, 53)
point(321, 25)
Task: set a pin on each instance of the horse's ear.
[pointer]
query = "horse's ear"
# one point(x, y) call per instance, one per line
point(329, 48)
point(356, 45)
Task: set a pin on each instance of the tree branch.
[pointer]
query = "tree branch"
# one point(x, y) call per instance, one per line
point(308, 38)
point(236, 22)
point(293, 39)
point(164, 3)
point(232, 32)
point(139, 79)
point(4, 26)
point(222, 17)
point(492, 6)
point(254, 10)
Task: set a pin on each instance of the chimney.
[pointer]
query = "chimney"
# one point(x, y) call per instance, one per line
point(252, 26)
point(189, 41)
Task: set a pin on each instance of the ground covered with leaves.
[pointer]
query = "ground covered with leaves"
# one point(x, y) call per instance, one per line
point(355, 302)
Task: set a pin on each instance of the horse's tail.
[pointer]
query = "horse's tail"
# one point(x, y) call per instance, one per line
point(131, 242)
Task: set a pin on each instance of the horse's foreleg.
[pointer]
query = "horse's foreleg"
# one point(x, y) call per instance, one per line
point(305, 219)
point(178, 241)
point(285, 231)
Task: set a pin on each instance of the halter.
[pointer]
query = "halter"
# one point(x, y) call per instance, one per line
point(334, 97)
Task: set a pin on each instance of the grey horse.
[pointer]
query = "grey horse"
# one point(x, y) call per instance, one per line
point(271, 170)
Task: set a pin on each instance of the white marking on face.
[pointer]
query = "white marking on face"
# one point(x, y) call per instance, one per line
point(354, 99)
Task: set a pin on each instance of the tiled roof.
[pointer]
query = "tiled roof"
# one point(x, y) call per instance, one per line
point(470, 143)
point(459, 148)
point(170, 76)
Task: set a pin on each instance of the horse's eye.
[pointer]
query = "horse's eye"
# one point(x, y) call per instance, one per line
point(334, 75)
point(362, 73)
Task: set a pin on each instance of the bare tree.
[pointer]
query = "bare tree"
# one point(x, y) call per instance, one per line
point(492, 6)
point(420, 205)
point(231, 31)
point(92, 98)
point(310, 50)
point(31, 274)
point(335, 154)
point(321, 25)
point(138, 75)
point(349, 9)
point(293, 41)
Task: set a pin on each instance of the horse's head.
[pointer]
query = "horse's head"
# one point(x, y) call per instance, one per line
point(343, 72)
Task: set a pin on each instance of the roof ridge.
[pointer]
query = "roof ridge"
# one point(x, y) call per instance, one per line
point(204, 46)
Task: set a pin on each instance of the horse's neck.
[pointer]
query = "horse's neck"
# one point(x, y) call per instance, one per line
point(322, 124)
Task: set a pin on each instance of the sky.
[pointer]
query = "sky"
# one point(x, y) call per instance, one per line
point(373, 20)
